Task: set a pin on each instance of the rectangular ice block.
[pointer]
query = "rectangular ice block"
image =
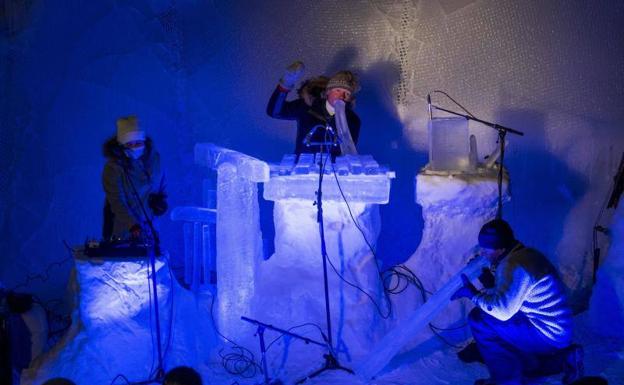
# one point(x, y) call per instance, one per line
point(449, 146)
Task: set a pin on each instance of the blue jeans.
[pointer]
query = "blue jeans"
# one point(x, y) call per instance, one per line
point(509, 348)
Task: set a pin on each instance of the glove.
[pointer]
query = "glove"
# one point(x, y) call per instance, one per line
point(293, 74)
point(158, 203)
point(135, 232)
point(487, 278)
point(466, 291)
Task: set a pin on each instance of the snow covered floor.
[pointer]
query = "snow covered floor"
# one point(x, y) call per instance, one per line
point(603, 357)
point(429, 363)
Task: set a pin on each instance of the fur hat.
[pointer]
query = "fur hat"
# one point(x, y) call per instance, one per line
point(345, 80)
point(128, 130)
point(496, 234)
point(312, 89)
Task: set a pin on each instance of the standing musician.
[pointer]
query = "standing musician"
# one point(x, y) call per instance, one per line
point(315, 108)
point(132, 181)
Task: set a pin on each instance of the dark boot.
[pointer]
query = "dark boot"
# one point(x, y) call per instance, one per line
point(470, 353)
point(573, 368)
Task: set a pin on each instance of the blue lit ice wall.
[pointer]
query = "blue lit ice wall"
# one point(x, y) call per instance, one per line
point(202, 71)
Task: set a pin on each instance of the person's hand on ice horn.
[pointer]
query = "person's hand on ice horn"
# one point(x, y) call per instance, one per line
point(466, 291)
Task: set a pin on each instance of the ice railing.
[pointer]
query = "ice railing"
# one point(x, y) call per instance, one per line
point(200, 222)
point(247, 167)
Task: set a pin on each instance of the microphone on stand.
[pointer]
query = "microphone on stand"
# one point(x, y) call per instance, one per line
point(335, 139)
point(429, 104)
point(308, 137)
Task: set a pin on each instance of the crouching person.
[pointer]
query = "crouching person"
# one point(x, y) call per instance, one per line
point(525, 316)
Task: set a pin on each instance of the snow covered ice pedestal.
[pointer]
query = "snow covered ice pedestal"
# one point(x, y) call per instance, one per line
point(290, 288)
point(454, 208)
point(112, 329)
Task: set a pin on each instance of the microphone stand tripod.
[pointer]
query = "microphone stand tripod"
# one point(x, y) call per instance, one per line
point(331, 362)
point(159, 373)
point(260, 332)
point(502, 132)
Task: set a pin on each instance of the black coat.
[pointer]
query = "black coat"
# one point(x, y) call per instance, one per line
point(308, 117)
point(124, 180)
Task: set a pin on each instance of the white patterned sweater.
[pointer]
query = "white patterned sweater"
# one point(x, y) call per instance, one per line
point(527, 282)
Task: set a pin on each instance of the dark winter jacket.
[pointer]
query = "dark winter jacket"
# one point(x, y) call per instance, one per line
point(124, 179)
point(308, 117)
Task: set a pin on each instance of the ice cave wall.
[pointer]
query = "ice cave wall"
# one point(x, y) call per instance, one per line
point(202, 71)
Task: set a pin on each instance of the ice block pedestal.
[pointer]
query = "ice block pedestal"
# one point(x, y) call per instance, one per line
point(454, 208)
point(113, 325)
point(291, 290)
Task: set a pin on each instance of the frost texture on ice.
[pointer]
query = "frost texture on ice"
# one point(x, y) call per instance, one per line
point(113, 325)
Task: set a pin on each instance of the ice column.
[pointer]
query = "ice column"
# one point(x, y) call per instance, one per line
point(239, 240)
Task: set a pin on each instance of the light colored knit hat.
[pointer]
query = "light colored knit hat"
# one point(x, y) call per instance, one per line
point(128, 130)
point(345, 80)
